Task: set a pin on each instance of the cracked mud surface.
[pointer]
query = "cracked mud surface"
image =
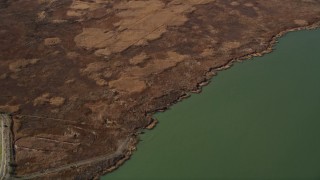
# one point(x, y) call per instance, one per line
point(80, 76)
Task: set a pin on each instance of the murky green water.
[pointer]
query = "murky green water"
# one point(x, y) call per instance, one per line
point(258, 120)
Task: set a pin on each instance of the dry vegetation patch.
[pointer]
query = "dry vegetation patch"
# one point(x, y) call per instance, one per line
point(18, 65)
point(137, 25)
point(52, 41)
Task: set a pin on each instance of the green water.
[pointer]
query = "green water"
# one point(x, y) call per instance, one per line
point(258, 120)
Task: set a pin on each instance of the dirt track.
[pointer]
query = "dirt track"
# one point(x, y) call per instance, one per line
point(122, 147)
point(6, 148)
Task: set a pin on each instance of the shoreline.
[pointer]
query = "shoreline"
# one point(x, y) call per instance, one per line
point(209, 74)
point(80, 80)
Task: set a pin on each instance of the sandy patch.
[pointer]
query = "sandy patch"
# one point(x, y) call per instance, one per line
point(138, 59)
point(156, 66)
point(230, 45)
point(137, 25)
point(45, 98)
point(207, 52)
point(41, 99)
point(46, 1)
point(85, 5)
point(134, 75)
point(72, 55)
point(95, 72)
point(128, 84)
point(57, 101)
point(80, 8)
point(21, 63)
point(248, 5)
point(52, 41)
point(74, 13)
point(93, 38)
point(41, 15)
point(58, 21)
point(9, 108)
point(301, 22)
point(234, 3)
point(94, 67)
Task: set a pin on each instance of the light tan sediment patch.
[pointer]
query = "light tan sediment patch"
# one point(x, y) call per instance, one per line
point(74, 13)
point(207, 52)
point(41, 15)
point(9, 108)
point(156, 34)
point(72, 55)
point(57, 101)
point(58, 21)
point(69, 81)
point(18, 65)
point(135, 75)
point(234, 3)
point(46, 98)
point(103, 52)
point(79, 8)
point(156, 66)
point(52, 41)
point(301, 22)
point(99, 114)
point(94, 67)
point(137, 25)
point(87, 5)
point(98, 78)
point(81, 5)
point(248, 4)
point(41, 99)
point(94, 71)
point(46, 1)
point(230, 45)
point(138, 59)
point(93, 38)
point(128, 84)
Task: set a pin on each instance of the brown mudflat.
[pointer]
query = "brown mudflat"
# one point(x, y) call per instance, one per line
point(83, 77)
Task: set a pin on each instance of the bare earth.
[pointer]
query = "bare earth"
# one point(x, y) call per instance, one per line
point(81, 77)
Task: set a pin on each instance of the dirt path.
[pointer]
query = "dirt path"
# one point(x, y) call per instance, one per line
point(2, 170)
point(123, 145)
point(6, 148)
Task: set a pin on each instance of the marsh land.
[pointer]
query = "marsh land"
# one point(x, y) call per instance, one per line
point(82, 78)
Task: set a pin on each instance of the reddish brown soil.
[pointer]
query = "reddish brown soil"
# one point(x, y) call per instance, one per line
point(80, 76)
